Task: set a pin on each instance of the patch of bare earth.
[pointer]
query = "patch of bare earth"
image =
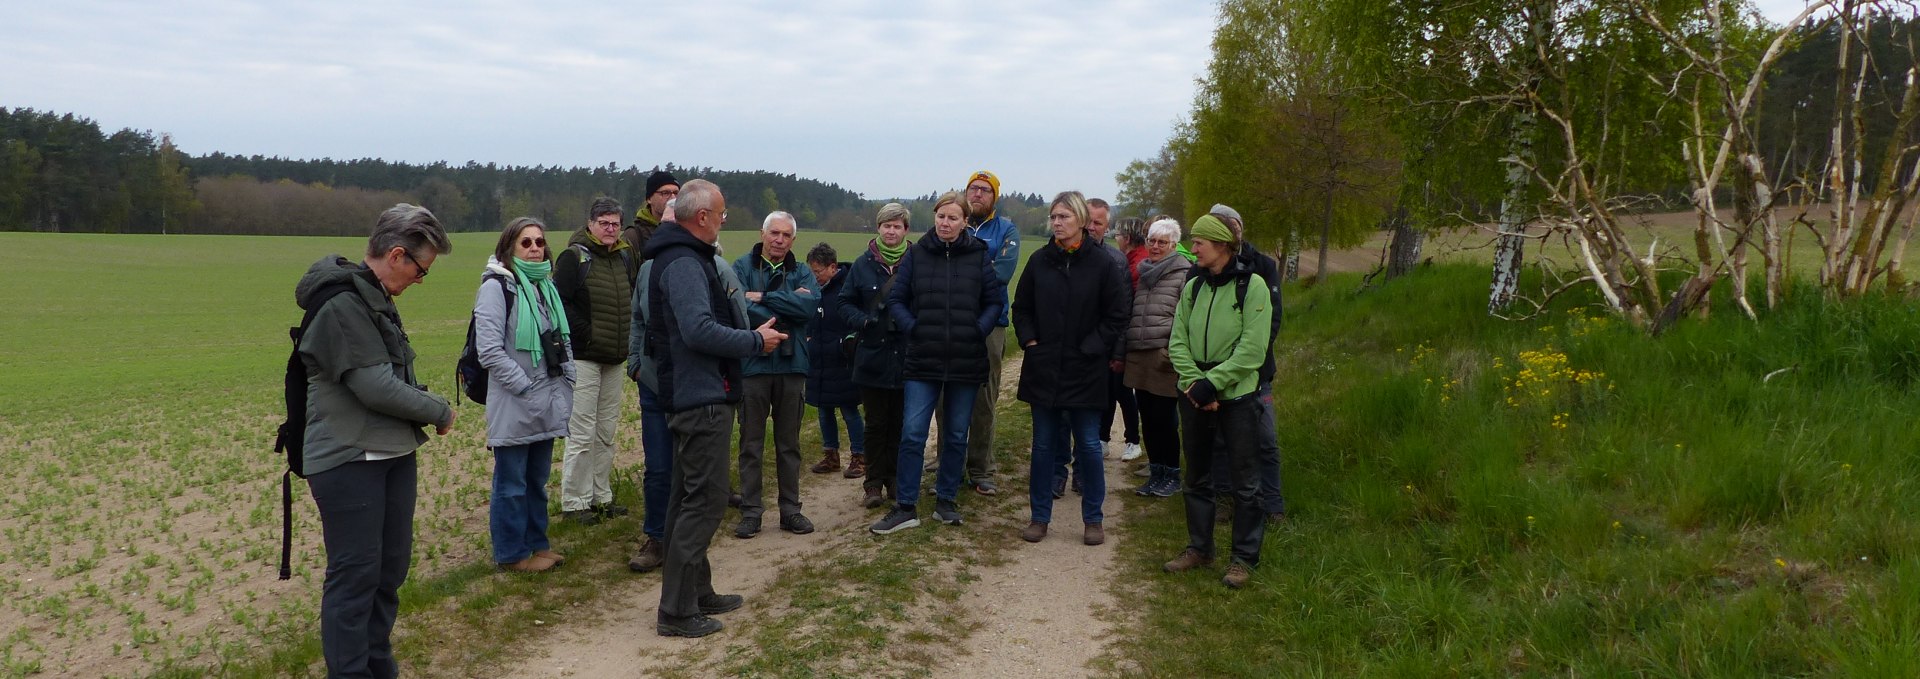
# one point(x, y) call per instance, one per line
point(1024, 608)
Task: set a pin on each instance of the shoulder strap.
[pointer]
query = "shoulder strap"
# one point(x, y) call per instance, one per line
point(586, 259)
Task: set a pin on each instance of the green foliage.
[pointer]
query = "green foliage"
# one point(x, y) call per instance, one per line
point(62, 173)
point(1476, 497)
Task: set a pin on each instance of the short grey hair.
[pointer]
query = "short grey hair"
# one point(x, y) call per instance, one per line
point(776, 214)
point(411, 228)
point(893, 212)
point(603, 205)
point(1165, 227)
point(695, 196)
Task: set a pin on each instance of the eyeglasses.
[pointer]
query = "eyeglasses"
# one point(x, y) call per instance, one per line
point(604, 224)
point(1159, 241)
point(666, 191)
point(422, 275)
point(979, 189)
point(530, 243)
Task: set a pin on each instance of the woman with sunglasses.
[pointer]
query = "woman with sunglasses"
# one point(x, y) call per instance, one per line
point(521, 335)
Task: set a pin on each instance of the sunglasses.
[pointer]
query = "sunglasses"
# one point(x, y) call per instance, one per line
point(530, 242)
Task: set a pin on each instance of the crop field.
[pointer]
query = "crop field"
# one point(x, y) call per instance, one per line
point(139, 392)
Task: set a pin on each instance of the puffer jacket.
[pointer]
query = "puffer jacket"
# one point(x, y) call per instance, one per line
point(1217, 338)
point(524, 405)
point(1156, 296)
point(788, 292)
point(362, 395)
point(879, 358)
point(599, 308)
point(829, 371)
point(945, 299)
point(1072, 307)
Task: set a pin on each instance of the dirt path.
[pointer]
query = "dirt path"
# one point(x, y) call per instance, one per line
point(1037, 609)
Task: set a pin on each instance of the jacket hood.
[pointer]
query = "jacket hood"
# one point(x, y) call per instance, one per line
point(584, 236)
point(329, 270)
point(760, 262)
point(965, 243)
point(1152, 271)
point(494, 265)
point(672, 234)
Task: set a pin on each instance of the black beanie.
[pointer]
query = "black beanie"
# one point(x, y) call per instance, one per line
point(658, 179)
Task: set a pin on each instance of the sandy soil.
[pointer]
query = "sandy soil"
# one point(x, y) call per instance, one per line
point(1036, 610)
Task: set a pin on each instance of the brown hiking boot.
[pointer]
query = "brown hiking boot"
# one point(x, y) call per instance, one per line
point(550, 555)
point(531, 564)
point(650, 556)
point(829, 461)
point(1237, 575)
point(1034, 532)
point(1094, 535)
point(856, 466)
point(875, 498)
point(1188, 560)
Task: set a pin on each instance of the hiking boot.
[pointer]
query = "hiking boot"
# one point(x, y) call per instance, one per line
point(1169, 483)
point(1237, 575)
point(650, 556)
point(1034, 532)
point(1132, 453)
point(550, 555)
point(531, 564)
point(796, 523)
point(584, 517)
point(748, 527)
point(1059, 487)
point(1189, 559)
point(829, 461)
point(856, 467)
point(946, 512)
point(1153, 482)
point(691, 628)
point(609, 510)
point(715, 604)
point(1095, 534)
point(1076, 485)
point(874, 499)
point(1145, 471)
point(901, 518)
point(986, 488)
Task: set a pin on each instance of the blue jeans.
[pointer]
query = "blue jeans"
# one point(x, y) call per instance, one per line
point(1059, 434)
point(656, 479)
point(830, 430)
point(518, 516)
point(920, 397)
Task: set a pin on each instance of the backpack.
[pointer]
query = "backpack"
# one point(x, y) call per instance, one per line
point(471, 376)
point(1239, 291)
point(292, 437)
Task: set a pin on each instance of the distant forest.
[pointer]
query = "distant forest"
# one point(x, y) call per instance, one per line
point(62, 173)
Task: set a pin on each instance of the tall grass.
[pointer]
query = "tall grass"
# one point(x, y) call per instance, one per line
point(1472, 496)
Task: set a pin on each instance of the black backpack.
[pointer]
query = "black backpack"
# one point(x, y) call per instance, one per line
point(468, 372)
point(292, 437)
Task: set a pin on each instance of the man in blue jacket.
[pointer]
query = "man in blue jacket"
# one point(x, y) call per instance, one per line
point(779, 289)
point(1003, 249)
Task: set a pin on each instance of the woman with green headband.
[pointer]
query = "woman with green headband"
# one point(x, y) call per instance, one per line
point(520, 334)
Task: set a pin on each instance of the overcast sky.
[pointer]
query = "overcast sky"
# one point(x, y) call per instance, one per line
point(885, 98)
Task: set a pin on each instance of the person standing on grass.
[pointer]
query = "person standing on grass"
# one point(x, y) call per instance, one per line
point(779, 291)
point(595, 278)
point(830, 387)
point(877, 356)
point(946, 299)
point(1002, 240)
point(529, 389)
point(1271, 501)
point(365, 411)
point(697, 338)
point(1068, 313)
point(1220, 328)
point(1149, 369)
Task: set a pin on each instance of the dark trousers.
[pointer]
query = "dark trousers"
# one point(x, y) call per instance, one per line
point(366, 517)
point(885, 410)
point(1271, 501)
point(1231, 469)
point(656, 480)
point(777, 397)
point(1160, 428)
point(1119, 394)
point(694, 506)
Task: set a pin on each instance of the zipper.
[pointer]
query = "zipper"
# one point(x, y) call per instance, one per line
point(946, 367)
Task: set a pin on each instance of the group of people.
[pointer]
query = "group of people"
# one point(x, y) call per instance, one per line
point(906, 332)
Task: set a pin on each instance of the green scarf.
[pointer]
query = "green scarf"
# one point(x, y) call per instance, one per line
point(535, 281)
point(891, 255)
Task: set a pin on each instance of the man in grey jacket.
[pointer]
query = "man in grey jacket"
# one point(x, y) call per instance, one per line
point(365, 411)
point(697, 338)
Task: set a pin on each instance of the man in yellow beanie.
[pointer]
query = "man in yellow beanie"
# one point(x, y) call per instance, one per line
point(1003, 248)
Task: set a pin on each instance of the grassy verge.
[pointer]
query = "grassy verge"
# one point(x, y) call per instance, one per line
point(1476, 497)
